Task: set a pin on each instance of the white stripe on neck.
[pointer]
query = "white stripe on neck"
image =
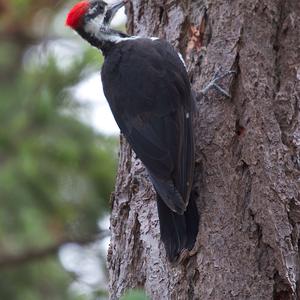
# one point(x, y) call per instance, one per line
point(93, 28)
point(118, 39)
point(134, 37)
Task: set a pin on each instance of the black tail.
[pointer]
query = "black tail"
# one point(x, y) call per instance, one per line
point(178, 232)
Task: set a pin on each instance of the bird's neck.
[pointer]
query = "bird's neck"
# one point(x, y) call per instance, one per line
point(103, 40)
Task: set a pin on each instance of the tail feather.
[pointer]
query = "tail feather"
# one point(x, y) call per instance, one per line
point(192, 221)
point(178, 232)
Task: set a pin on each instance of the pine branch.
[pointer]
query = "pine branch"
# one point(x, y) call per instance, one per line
point(34, 254)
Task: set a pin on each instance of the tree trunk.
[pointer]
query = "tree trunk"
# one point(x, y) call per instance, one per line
point(247, 157)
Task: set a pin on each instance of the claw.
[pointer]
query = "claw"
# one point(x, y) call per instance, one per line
point(213, 83)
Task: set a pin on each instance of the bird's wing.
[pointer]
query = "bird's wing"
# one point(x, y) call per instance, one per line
point(152, 106)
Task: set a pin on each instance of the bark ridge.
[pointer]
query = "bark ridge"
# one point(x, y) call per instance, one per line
point(247, 157)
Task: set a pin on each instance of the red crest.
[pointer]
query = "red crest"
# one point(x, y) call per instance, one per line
point(75, 15)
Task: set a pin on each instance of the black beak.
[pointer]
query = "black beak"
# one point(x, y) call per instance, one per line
point(112, 10)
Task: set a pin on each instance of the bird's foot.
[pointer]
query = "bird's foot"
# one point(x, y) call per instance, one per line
point(214, 83)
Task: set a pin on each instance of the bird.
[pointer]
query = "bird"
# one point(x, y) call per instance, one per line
point(146, 84)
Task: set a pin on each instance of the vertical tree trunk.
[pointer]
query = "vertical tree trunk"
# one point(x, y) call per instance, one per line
point(247, 157)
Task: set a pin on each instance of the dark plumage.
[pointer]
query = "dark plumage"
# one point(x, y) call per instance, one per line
point(148, 90)
point(149, 93)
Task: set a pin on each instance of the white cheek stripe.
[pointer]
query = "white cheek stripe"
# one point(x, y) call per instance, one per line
point(93, 25)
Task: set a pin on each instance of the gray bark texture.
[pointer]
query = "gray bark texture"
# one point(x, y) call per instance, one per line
point(247, 157)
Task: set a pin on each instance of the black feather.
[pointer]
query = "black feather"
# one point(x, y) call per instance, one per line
point(149, 93)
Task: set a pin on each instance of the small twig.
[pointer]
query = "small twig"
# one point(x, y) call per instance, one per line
point(29, 255)
point(213, 83)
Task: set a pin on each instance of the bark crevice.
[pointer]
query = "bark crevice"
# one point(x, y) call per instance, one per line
point(247, 157)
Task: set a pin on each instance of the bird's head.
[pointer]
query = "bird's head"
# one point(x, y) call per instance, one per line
point(92, 18)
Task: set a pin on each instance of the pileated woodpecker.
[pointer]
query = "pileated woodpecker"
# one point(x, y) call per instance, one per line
point(149, 93)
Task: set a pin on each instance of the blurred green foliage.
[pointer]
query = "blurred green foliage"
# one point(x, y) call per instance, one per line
point(135, 295)
point(56, 173)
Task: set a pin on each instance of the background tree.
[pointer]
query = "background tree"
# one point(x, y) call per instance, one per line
point(56, 173)
point(247, 157)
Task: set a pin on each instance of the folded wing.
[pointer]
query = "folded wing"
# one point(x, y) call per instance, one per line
point(153, 109)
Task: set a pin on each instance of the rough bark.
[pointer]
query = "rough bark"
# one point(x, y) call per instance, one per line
point(248, 157)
